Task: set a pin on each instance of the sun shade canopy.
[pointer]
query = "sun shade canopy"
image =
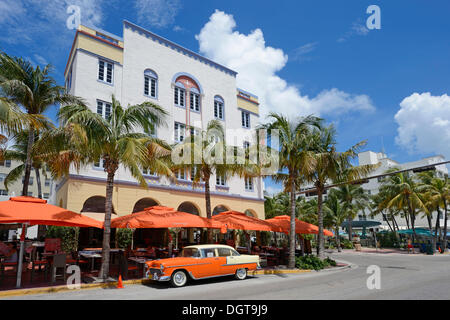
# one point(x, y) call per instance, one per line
point(240, 221)
point(164, 217)
point(35, 211)
point(301, 227)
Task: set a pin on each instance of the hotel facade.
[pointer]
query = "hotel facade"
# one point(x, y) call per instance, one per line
point(143, 66)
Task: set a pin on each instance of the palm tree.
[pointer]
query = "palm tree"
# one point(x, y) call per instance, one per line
point(335, 213)
point(403, 193)
point(294, 159)
point(18, 152)
point(330, 165)
point(436, 193)
point(34, 90)
point(354, 199)
point(202, 166)
point(116, 141)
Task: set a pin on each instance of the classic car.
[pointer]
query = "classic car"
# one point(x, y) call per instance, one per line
point(200, 262)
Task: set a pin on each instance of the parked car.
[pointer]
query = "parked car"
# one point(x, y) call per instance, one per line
point(200, 262)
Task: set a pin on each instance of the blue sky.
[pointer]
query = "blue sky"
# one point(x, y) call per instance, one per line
point(388, 86)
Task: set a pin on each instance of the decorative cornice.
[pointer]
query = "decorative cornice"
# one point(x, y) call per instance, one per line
point(178, 48)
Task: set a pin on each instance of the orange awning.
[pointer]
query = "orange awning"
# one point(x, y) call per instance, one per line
point(163, 217)
point(301, 227)
point(37, 211)
point(240, 221)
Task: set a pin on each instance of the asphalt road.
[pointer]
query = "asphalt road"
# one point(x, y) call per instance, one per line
point(402, 277)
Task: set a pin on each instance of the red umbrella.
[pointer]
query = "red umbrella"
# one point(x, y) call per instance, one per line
point(32, 211)
point(164, 217)
point(301, 227)
point(239, 220)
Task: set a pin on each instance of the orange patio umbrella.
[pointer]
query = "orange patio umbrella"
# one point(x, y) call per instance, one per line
point(33, 211)
point(239, 220)
point(164, 217)
point(301, 227)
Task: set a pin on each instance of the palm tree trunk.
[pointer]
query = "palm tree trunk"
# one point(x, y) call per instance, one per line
point(436, 228)
point(444, 235)
point(387, 221)
point(38, 182)
point(350, 228)
point(338, 240)
point(104, 270)
point(320, 239)
point(291, 264)
point(208, 204)
point(28, 163)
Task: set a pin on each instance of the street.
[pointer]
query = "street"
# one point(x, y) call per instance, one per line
point(402, 277)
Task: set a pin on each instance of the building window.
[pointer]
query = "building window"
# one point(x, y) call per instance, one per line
point(179, 95)
point(3, 192)
point(69, 80)
point(5, 163)
point(150, 83)
point(2, 177)
point(104, 109)
point(97, 164)
point(46, 195)
point(245, 119)
point(249, 184)
point(194, 131)
point(221, 180)
point(148, 172)
point(218, 108)
point(105, 71)
point(179, 131)
point(180, 174)
point(195, 100)
point(47, 182)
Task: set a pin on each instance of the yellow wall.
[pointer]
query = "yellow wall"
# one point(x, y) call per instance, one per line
point(247, 105)
point(75, 192)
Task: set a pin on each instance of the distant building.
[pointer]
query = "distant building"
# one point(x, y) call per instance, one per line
point(373, 186)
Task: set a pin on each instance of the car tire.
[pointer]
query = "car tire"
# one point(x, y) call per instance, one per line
point(179, 278)
point(241, 274)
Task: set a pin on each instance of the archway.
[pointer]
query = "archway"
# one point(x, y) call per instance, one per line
point(189, 207)
point(220, 208)
point(144, 203)
point(251, 213)
point(95, 204)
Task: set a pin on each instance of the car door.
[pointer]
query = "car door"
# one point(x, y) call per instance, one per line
point(226, 261)
point(208, 265)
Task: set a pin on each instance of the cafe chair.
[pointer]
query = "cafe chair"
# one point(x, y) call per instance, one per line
point(59, 262)
point(35, 262)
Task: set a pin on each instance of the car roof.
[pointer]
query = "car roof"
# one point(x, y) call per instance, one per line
point(208, 246)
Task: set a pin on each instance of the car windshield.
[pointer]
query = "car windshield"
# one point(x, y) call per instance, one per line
point(190, 253)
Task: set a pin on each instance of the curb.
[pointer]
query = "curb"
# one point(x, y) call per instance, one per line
point(272, 271)
point(30, 291)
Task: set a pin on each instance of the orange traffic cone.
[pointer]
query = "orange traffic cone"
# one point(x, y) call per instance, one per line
point(119, 283)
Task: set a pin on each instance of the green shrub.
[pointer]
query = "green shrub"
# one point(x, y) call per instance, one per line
point(68, 236)
point(346, 244)
point(311, 262)
point(124, 237)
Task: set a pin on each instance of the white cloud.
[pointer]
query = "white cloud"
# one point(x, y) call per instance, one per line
point(273, 189)
point(424, 124)
point(157, 13)
point(257, 65)
point(357, 29)
point(300, 54)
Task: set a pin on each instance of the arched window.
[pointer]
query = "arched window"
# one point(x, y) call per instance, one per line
point(179, 94)
point(194, 99)
point(219, 111)
point(150, 83)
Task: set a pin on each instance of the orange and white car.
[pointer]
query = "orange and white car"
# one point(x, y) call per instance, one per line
point(200, 262)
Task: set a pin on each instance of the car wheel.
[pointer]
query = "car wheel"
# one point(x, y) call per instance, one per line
point(241, 274)
point(179, 278)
